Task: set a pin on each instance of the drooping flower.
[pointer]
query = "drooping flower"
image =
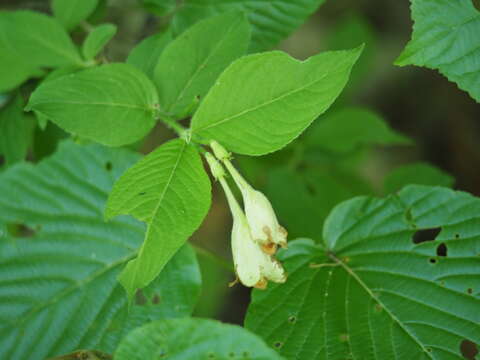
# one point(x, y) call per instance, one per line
point(261, 217)
point(253, 266)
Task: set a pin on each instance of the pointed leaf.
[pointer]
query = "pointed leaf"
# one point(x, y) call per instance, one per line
point(59, 259)
point(70, 13)
point(276, 98)
point(97, 39)
point(191, 339)
point(445, 37)
point(112, 104)
point(271, 20)
point(170, 191)
point(383, 284)
point(190, 64)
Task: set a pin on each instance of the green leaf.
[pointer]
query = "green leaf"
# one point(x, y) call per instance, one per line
point(170, 191)
point(160, 7)
point(60, 260)
point(383, 284)
point(193, 339)
point(70, 13)
point(146, 54)
point(38, 38)
point(16, 131)
point(419, 174)
point(112, 104)
point(316, 191)
point(191, 63)
point(349, 31)
point(97, 39)
point(271, 21)
point(276, 98)
point(14, 70)
point(445, 38)
point(349, 128)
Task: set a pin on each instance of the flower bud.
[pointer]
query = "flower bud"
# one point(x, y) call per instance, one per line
point(215, 167)
point(220, 152)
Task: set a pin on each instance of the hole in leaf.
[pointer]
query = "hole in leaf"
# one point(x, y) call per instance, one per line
point(428, 349)
point(442, 250)
point(468, 349)
point(277, 344)
point(292, 319)
point(156, 299)
point(457, 236)
point(142, 193)
point(425, 235)
point(108, 166)
point(2, 160)
point(470, 291)
point(433, 261)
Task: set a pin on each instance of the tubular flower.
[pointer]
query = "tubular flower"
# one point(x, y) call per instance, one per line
point(261, 217)
point(252, 265)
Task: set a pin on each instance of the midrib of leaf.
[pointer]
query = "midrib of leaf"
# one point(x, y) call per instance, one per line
point(189, 82)
point(160, 200)
point(271, 101)
point(72, 288)
point(375, 298)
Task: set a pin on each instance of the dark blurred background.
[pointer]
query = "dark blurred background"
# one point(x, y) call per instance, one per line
point(420, 103)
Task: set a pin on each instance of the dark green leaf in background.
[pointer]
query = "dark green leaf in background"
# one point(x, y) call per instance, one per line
point(146, 54)
point(60, 259)
point(191, 63)
point(446, 38)
point(160, 7)
point(16, 131)
point(170, 191)
point(97, 39)
point(271, 20)
point(311, 196)
point(419, 174)
point(112, 104)
point(192, 339)
point(70, 13)
point(347, 129)
point(348, 32)
point(264, 101)
point(385, 286)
